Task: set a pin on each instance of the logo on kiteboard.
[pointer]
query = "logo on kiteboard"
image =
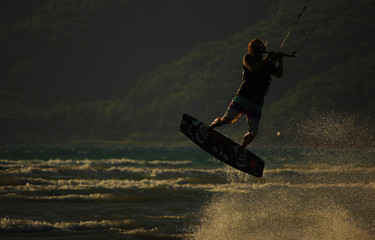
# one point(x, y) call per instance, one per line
point(220, 146)
point(202, 134)
point(197, 131)
point(241, 157)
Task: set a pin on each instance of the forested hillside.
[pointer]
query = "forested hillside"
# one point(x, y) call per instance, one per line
point(83, 51)
point(99, 92)
point(325, 97)
point(63, 61)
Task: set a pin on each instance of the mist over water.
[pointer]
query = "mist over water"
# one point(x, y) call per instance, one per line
point(305, 193)
point(344, 129)
point(288, 211)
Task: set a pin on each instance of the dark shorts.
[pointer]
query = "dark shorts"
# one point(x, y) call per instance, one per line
point(243, 106)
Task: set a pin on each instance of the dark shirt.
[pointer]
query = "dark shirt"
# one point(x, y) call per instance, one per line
point(255, 84)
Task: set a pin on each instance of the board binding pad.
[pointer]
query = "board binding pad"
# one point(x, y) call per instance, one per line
point(221, 147)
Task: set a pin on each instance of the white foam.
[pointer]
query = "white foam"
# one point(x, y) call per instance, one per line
point(85, 184)
point(26, 225)
point(281, 212)
point(58, 165)
point(143, 175)
point(322, 168)
point(20, 191)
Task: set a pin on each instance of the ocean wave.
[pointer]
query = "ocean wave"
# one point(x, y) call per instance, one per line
point(94, 184)
point(61, 179)
point(72, 166)
point(139, 168)
point(8, 225)
point(116, 162)
point(245, 188)
point(321, 168)
point(71, 190)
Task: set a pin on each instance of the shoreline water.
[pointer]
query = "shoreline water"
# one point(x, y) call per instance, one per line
point(180, 192)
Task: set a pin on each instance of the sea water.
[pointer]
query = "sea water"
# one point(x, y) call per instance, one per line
point(181, 192)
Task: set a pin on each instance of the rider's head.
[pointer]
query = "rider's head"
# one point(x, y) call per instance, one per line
point(256, 47)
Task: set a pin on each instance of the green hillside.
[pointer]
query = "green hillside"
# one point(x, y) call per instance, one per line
point(324, 98)
point(83, 51)
point(332, 74)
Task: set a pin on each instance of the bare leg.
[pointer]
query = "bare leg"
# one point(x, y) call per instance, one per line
point(218, 122)
point(248, 138)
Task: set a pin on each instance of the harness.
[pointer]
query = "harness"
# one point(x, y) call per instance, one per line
point(256, 84)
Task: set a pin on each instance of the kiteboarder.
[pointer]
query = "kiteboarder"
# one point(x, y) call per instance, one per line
point(256, 78)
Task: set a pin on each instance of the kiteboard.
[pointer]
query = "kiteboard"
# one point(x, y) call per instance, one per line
point(221, 147)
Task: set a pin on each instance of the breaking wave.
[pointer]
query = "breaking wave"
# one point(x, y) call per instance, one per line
point(304, 193)
point(26, 225)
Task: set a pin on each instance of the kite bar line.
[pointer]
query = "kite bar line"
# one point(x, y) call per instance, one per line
point(316, 25)
point(295, 24)
point(285, 55)
point(273, 23)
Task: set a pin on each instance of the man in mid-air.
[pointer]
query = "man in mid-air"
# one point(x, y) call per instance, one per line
point(256, 79)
